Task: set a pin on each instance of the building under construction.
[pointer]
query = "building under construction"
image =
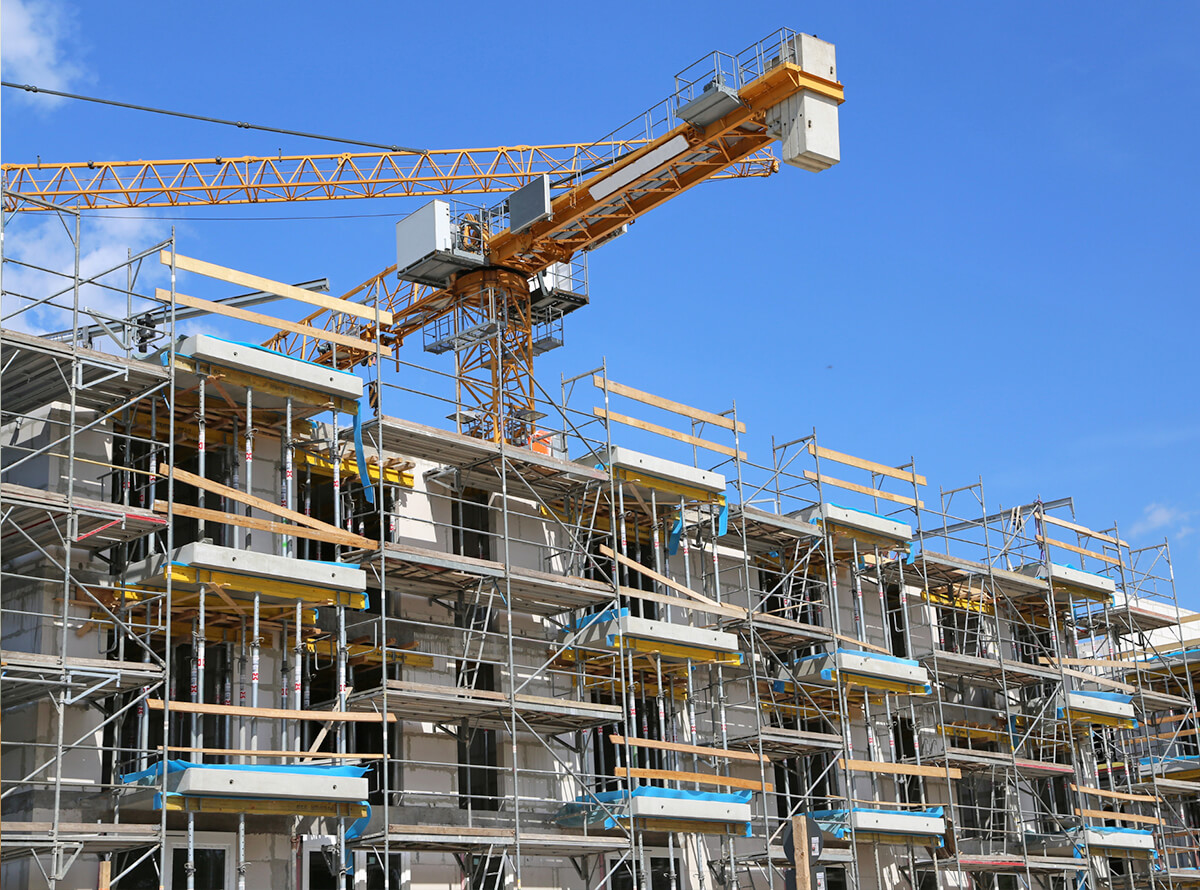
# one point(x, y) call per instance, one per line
point(310, 607)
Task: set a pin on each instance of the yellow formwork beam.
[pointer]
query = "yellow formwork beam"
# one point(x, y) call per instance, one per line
point(248, 584)
point(263, 807)
point(349, 467)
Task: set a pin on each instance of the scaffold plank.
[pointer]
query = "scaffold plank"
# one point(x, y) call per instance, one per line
point(902, 769)
point(647, 427)
point(863, 464)
point(258, 318)
point(671, 775)
point(187, 707)
point(674, 407)
point(687, 749)
point(863, 489)
point(288, 291)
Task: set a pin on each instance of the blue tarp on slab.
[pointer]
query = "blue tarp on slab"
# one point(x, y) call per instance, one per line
point(837, 822)
point(176, 766)
point(587, 810)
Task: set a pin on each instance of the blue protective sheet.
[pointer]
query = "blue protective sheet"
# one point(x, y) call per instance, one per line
point(606, 615)
point(837, 822)
point(1105, 696)
point(353, 831)
point(360, 454)
point(586, 809)
point(1185, 654)
point(1183, 760)
point(875, 655)
point(674, 536)
point(176, 766)
point(827, 674)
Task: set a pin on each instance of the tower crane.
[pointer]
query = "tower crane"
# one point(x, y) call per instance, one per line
point(482, 279)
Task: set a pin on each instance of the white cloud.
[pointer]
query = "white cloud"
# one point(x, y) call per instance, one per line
point(37, 47)
point(1162, 519)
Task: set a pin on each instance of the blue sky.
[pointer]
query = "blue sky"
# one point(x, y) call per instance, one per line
point(999, 278)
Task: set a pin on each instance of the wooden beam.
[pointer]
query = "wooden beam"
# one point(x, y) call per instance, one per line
point(666, 431)
point(1115, 795)
point(1082, 529)
point(247, 752)
point(305, 330)
point(863, 489)
point(289, 291)
point(1179, 734)
point(655, 576)
point(689, 749)
point(852, 461)
point(902, 769)
point(801, 859)
point(670, 775)
point(1102, 681)
point(1086, 662)
point(248, 499)
point(347, 539)
point(1080, 550)
point(647, 398)
point(188, 707)
point(1119, 817)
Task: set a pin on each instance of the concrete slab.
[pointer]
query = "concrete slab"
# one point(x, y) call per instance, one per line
point(267, 363)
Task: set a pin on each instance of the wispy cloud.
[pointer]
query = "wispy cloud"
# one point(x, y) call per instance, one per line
point(1163, 519)
point(38, 46)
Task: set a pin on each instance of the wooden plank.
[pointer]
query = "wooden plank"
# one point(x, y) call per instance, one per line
point(689, 749)
point(1082, 529)
point(666, 431)
point(647, 398)
point(257, 282)
point(248, 499)
point(1101, 681)
point(1086, 662)
point(1181, 734)
point(104, 878)
point(1115, 795)
point(655, 576)
point(1080, 550)
point(347, 539)
point(247, 752)
point(800, 853)
point(902, 769)
point(188, 707)
point(863, 489)
point(670, 775)
point(305, 330)
point(1119, 817)
point(852, 461)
